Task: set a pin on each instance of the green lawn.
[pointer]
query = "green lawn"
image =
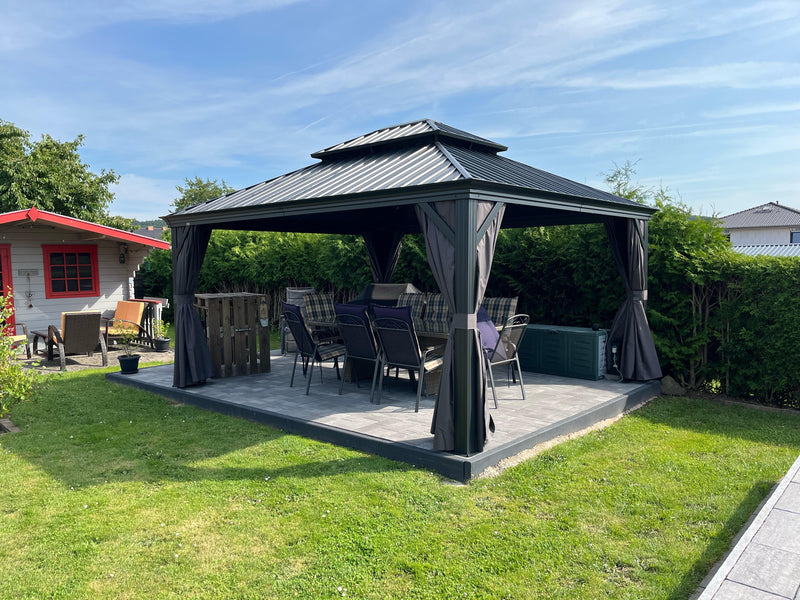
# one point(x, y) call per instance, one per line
point(109, 492)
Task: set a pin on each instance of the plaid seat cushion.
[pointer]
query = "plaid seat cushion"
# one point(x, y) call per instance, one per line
point(500, 309)
point(328, 351)
point(319, 307)
point(437, 314)
point(417, 304)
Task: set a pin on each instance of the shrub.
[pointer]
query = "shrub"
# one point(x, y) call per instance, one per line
point(16, 383)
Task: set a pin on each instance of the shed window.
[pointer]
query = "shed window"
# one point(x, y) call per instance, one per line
point(71, 271)
point(794, 237)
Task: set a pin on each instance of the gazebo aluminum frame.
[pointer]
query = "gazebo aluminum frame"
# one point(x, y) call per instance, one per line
point(422, 176)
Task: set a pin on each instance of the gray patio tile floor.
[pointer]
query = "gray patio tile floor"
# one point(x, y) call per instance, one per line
point(765, 560)
point(553, 406)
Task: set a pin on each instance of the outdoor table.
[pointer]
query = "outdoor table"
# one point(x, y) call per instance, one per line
point(36, 336)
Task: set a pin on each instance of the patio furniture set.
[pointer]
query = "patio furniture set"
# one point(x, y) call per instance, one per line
point(409, 336)
point(83, 332)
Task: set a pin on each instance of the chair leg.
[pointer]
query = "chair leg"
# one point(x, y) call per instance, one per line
point(419, 387)
point(294, 368)
point(521, 384)
point(341, 379)
point(491, 383)
point(62, 356)
point(380, 387)
point(310, 375)
point(374, 377)
point(104, 350)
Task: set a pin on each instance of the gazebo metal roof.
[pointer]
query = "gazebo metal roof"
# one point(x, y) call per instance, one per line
point(371, 180)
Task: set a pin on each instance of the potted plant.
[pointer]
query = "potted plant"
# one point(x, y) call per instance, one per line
point(128, 361)
point(160, 339)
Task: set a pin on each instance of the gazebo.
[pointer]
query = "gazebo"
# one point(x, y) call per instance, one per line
point(454, 188)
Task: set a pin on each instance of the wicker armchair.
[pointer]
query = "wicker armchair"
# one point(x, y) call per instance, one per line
point(80, 334)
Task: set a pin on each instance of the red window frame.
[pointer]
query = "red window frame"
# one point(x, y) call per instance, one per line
point(64, 273)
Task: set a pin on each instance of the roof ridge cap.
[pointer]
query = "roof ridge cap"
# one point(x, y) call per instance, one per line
point(453, 160)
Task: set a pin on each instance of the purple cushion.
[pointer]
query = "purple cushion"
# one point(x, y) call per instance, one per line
point(489, 333)
point(292, 308)
point(356, 310)
point(388, 312)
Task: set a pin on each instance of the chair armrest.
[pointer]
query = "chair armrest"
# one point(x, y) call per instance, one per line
point(24, 327)
point(113, 322)
point(53, 334)
point(435, 351)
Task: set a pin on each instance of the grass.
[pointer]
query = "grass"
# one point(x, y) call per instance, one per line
point(109, 492)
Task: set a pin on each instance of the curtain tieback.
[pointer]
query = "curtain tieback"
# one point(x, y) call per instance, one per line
point(465, 320)
point(640, 296)
point(184, 298)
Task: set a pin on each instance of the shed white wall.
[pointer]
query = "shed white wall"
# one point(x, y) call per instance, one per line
point(37, 311)
point(760, 235)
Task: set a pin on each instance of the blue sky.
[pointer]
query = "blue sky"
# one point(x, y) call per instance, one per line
point(704, 95)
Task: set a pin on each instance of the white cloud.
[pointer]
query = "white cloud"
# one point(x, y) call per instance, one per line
point(744, 75)
point(747, 110)
point(35, 22)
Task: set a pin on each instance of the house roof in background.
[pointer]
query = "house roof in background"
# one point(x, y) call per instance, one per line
point(769, 250)
point(771, 214)
point(34, 215)
point(151, 231)
point(390, 167)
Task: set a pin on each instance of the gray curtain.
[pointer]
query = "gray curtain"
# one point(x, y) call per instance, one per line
point(193, 363)
point(638, 360)
point(440, 249)
point(383, 247)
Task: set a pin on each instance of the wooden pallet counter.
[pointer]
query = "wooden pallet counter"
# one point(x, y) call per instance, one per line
point(241, 345)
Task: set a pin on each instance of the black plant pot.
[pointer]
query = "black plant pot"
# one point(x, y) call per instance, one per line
point(129, 363)
point(161, 344)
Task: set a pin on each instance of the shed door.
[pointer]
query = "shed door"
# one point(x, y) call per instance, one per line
point(5, 275)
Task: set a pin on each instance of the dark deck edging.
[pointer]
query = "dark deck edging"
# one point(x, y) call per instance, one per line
point(453, 466)
point(610, 409)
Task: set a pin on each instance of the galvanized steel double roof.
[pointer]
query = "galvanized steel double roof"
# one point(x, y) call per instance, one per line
point(405, 158)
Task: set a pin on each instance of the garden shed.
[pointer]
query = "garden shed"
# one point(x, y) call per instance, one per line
point(53, 263)
point(454, 188)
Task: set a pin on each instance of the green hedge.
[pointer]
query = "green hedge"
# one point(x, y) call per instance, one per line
point(721, 321)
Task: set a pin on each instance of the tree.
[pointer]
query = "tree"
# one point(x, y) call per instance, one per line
point(197, 191)
point(50, 175)
point(620, 183)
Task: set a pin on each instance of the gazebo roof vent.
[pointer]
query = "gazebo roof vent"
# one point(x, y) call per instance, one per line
point(414, 132)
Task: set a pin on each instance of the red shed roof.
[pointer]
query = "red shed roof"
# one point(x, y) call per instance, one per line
point(34, 214)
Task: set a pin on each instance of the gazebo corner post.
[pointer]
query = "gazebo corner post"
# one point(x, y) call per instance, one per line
point(464, 357)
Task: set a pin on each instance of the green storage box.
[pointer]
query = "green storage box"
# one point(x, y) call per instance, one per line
point(567, 351)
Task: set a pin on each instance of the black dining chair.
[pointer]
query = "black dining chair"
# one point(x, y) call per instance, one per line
point(505, 351)
point(400, 348)
point(353, 325)
point(313, 350)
